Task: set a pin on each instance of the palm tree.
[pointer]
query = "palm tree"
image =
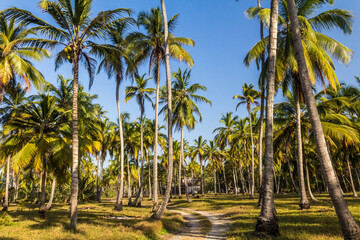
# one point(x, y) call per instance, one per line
point(17, 49)
point(160, 212)
point(349, 227)
point(213, 153)
point(199, 150)
point(74, 31)
point(152, 45)
point(141, 93)
point(267, 222)
point(249, 96)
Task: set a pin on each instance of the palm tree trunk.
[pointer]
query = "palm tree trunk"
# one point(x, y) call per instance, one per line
point(75, 146)
point(304, 202)
point(279, 178)
point(7, 182)
point(308, 182)
point(201, 175)
point(155, 164)
point(290, 172)
point(129, 178)
point(102, 159)
point(350, 175)
point(149, 175)
point(16, 187)
point(162, 208)
point(226, 187)
point(182, 162)
point(267, 221)
point(42, 208)
point(48, 206)
point(235, 185)
point(252, 189)
point(118, 205)
point(219, 186)
point(179, 178)
point(97, 177)
point(214, 173)
point(275, 180)
point(242, 180)
point(139, 196)
point(247, 167)
point(349, 227)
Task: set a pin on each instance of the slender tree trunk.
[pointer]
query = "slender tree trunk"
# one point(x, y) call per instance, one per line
point(155, 164)
point(275, 180)
point(7, 182)
point(97, 177)
point(308, 182)
point(182, 162)
point(102, 159)
point(201, 175)
point(349, 227)
point(42, 208)
point(247, 168)
point(242, 180)
point(279, 178)
point(214, 173)
point(291, 175)
point(304, 202)
point(252, 189)
point(267, 221)
point(48, 206)
point(139, 196)
point(16, 187)
point(179, 178)
point(162, 208)
point(226, 187)
point(129, 178)
point(350, 175)
point(118, 205)
point(218, 180)
point(150, 189)
point(75, 146)
point(235, 185)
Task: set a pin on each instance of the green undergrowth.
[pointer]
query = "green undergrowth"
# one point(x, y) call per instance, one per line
point(95, 221)
point(318, 222)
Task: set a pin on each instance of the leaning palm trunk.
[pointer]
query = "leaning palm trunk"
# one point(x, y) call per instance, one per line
point(164, 203)
point(349, 227)
point(139, 196)
point(155, 163)
point(308, 182)
point(42, 208)
point(304, 202)
point(267, 221)
point(7, 182)
point(118, 205)
point(350, 175)
point(48, 206)
point(182, 162)
point(252, 185)
point(75, 146)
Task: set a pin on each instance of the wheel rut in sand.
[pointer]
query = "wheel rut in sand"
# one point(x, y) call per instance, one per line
point(194, 230)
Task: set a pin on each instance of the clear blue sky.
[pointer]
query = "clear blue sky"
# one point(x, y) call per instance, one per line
point(223, 35)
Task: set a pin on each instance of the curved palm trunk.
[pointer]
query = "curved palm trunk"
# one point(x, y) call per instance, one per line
point(48, 206)
point(139, 196)
point(75, 147)
point(118, 205)
point(42, 208)
point(267, 221)
point(252, 185)
point(182, 162)
point(162, 208)
point(349, 227)
point(226, 187)
point(350, 174)
point(7, 182)
point(129, 179)
point(304, 202)
point(155, 164)
point(308, 182)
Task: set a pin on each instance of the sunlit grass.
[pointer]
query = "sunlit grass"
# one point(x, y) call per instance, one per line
point(94, 222)
point(318, 222)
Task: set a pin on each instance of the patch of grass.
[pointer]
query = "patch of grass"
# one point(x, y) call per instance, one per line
point(95, 221)
point(318, 222)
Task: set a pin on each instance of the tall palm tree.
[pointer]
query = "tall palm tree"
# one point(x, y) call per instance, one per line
point(152, 45)
point(141, 93)
point(160, 212)
point(184, 109)
point(249, 97)
point(349, 227)
point(18, 48)
point(267, 222)
point(117, 61)
point(213, 153)
point(199, 150)
point(74, 31)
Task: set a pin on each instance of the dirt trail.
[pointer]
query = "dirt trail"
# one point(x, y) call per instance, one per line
point(192, 230)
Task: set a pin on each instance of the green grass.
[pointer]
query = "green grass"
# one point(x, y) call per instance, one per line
point(318, 222)
point(93, 223)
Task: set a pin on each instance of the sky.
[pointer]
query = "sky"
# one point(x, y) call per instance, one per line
point(223, 35)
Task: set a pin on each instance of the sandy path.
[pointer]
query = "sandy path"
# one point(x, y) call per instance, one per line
point(192, 230)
